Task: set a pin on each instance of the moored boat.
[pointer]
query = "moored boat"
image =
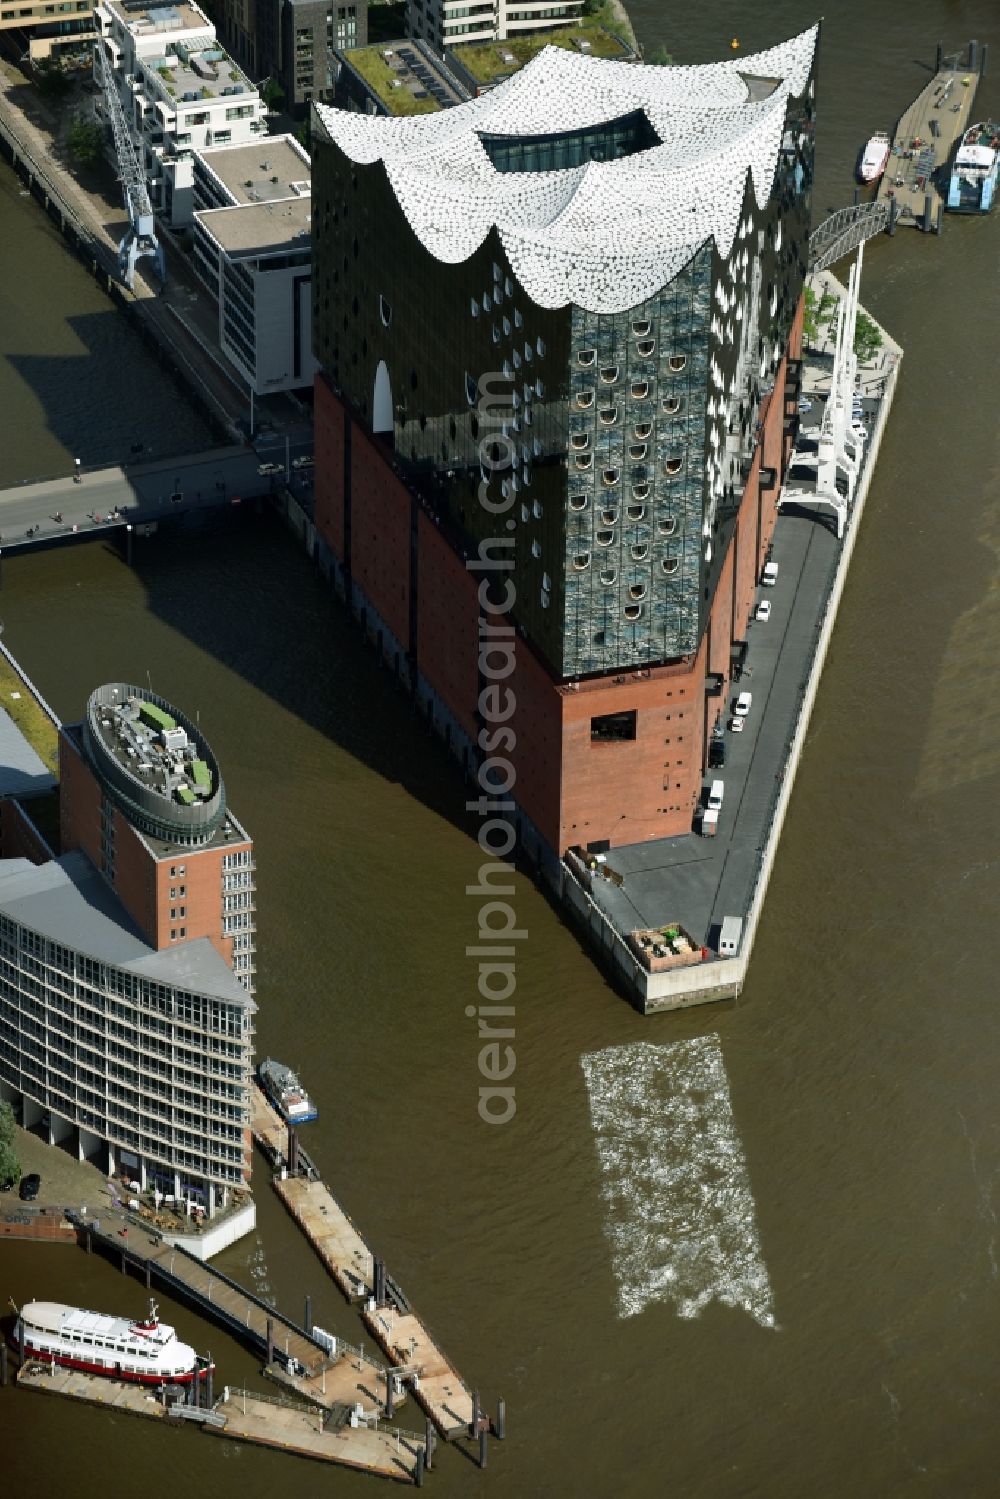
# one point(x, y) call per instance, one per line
point(972, 186)
point(285, 1091)
point(874, 157)
point(146, 1352)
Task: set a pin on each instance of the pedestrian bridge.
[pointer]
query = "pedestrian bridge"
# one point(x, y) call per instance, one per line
point(844, 231)
point(134, 495)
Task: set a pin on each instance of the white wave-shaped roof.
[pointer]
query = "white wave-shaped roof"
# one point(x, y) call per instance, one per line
point(605, 235)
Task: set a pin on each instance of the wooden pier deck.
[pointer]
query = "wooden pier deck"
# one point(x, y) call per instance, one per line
point(438, 1387)
point(111, 1394)
point(936, 119)
point(267, 1126)
point(247, 1417)
point(310, 1433)
point(348, 1376)
point(331, 1233)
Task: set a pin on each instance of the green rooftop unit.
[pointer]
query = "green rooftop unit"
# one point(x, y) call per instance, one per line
point(156, 717)
point(186, 796)
point(201, 775)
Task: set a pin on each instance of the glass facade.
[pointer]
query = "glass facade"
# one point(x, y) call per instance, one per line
point(149, 1067)
point(605, 453)
point(554, 153)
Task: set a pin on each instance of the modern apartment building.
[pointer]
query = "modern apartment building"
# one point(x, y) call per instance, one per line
point(49, 31)
point(181, 93)
point(126, 963)
point(443, 23)
point(291, 41)
point(558, 329)
point(252, 250)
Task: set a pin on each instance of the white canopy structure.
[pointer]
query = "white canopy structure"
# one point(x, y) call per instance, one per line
point(604, 235)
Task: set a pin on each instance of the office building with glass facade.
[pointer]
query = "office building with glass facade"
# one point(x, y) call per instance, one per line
point(564, 319)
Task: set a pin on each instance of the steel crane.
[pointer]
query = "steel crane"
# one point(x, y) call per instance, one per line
point(140, 237)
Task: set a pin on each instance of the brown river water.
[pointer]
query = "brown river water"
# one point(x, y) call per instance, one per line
point(756, 1253)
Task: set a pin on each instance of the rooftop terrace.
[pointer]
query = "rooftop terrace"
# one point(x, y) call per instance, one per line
point(592, 36)
point(405, 77)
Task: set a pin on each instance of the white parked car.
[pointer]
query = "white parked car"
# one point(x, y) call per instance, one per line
point(805, 405)
point(763, 611)
point(741, 707)
point(770, 574)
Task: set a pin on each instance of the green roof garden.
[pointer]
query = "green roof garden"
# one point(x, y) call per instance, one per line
point(201, 774)
point(186, 796)
point(370, 65)
point(156, 717)
point(488, 62)
point(29, 716)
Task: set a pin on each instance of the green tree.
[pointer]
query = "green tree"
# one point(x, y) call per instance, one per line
point(51, 80)
point(84, 141)
point(660, 58)
point(10, 1166)
point(273, 94)
point(867, 338)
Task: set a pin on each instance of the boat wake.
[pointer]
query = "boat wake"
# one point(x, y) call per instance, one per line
point(681, 1219)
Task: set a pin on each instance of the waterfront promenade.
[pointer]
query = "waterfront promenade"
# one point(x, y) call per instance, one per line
point(694, 881)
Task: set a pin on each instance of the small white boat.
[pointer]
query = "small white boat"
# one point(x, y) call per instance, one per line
point(874, 157)
point(146, 1352)
point(285, 1091)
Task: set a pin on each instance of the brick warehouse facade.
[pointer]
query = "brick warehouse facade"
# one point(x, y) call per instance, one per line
point(650, 446)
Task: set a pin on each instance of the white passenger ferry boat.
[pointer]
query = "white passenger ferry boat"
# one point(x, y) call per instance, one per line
point(874, 157)
point(146, 1352)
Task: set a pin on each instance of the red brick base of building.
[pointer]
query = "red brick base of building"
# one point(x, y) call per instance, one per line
point(574, 788)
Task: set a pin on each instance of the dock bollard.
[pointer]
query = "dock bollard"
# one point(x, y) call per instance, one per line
point(270, 1343)
point(429, 1435)
point(389, 1393)
point(928, 212)
point(308, 1324)
point(500, 1427)
point(89, 1241)
point(484, 1438)
point(973, 55)
point(418, 1472)
point(475, 1413)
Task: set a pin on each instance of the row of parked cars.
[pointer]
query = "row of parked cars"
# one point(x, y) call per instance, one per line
point(742, 704)
point(29, 1188)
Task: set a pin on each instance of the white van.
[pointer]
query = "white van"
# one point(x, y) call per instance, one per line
point(770, 574)
point(715, 794)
